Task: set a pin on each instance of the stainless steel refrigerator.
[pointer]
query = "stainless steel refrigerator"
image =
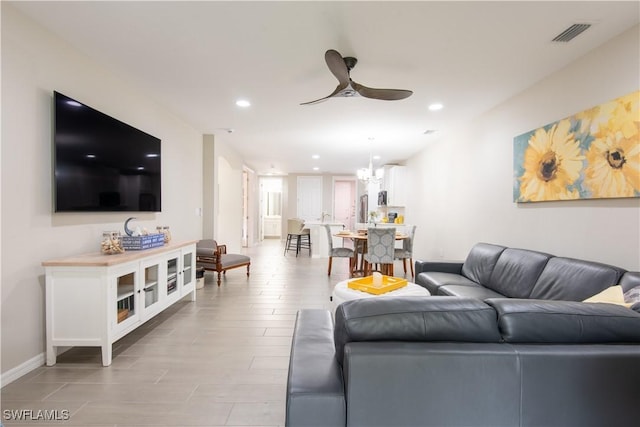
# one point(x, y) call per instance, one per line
point(363, 212)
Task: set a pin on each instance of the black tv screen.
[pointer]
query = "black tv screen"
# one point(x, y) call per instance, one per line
point(102, 164)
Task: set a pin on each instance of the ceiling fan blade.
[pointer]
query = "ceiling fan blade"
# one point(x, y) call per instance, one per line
point(339, 89)
point(383, 94)
point(337, 66)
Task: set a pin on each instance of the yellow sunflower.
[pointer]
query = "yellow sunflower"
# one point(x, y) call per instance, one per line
point(552, 163)
point(614, 163)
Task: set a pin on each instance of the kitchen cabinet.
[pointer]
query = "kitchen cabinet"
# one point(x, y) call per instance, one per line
point(395, 184)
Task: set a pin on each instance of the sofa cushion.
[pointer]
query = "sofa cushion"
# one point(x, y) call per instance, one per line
point(414, 319)
point(477, 292)
point(568, 322)
point(233, 260)
point(480, 262)
point(516, 272)
point(573, 279)
point(434, 280)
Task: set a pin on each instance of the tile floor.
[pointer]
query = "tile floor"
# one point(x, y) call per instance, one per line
point(221, 361)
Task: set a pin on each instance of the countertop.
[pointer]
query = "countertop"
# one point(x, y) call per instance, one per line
point(97, 259)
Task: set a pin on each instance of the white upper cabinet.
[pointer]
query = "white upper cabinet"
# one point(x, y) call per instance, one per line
point(395, 184)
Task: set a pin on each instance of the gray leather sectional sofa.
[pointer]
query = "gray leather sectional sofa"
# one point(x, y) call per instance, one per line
point(455, 361)
point(493, 271)
point(506, 342)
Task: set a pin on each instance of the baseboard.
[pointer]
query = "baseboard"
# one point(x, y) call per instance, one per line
point(23, 369)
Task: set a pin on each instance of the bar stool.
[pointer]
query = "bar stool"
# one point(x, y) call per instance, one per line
point(298, 237)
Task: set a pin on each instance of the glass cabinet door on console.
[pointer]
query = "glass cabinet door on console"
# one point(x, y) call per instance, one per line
point(172, 289)
point(150, 292)
point(126, 310)
point(188, 273)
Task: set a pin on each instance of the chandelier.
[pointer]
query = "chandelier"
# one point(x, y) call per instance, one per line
point(368, 175)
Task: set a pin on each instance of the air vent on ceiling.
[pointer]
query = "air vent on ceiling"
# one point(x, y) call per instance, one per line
point(571, 32)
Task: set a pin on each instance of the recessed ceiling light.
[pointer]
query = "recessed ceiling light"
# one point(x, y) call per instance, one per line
point(243, 103)
point(376, 157)
point(315, 156)
point(436, 107)
point(316, 168)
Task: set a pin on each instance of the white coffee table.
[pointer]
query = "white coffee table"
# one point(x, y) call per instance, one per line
point(342, 293)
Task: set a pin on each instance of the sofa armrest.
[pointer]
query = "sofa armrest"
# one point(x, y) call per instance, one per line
point(315, 388)
point(630, 280)
point(454, 267)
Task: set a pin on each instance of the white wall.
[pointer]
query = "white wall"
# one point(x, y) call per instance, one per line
point(253, 208)
point(34, 64)
point(225, 195)
point(208, 186)
point(464, 181)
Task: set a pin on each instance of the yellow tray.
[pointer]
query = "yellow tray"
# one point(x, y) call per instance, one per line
point(365, 284)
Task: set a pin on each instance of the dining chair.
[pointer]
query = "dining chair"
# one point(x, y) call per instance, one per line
point(340, 252)
point(298, 237)
point(381, 243)
point(406, 252)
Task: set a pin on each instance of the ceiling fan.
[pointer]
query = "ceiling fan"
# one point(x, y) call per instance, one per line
point(341, 68)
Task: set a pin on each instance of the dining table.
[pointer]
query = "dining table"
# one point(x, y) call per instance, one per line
point(359, 239)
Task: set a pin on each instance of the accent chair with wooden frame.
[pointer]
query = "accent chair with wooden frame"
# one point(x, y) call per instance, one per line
point(214, 257)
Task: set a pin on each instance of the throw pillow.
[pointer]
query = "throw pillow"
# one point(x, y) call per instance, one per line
point(611, 295)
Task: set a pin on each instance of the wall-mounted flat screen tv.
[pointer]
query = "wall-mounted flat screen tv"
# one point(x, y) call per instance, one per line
point(102, 164)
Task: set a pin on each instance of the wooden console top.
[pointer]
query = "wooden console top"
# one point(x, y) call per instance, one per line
point(97, 259)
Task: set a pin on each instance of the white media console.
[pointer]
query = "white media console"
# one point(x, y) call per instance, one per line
point(93, 300)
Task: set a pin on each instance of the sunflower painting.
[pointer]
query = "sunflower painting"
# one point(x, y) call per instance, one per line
point(593, 154)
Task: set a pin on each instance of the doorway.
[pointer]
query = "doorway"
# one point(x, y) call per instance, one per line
point(309, 195)
point(270, 208)
point(344, 202)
